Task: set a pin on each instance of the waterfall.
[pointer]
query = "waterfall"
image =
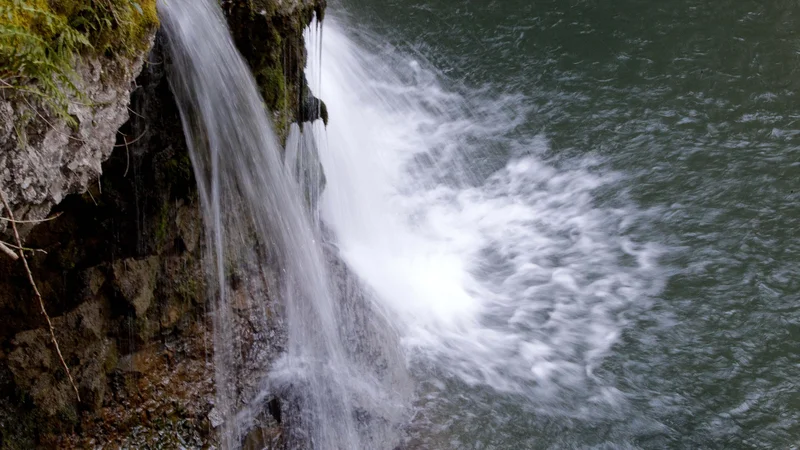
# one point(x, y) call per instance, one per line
point(257, 217)
point(508, 282)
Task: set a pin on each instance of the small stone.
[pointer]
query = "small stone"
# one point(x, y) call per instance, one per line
point(215, 418)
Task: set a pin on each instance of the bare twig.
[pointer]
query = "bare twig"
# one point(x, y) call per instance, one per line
point(7, 85)
point(4, 248)
point(135, 113)
point(113, 12)
point(53, 127)
point(38, 295)
point(22, 248)
point(131, 142)
point(47, 219)
point(91, 196)
point(127, 150)
point(127, 157)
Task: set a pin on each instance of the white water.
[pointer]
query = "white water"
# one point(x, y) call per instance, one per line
point(256, 220)
point(516, 281)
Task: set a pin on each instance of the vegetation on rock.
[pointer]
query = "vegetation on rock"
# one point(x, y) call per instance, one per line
point(39, 40)
point(270, 37)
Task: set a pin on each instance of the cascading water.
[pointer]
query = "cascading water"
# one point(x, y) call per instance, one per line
point(257, 218)
point(510, 267)
point(506, 279)
point(508, 283)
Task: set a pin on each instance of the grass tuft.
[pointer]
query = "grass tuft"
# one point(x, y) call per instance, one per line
point(39, 40)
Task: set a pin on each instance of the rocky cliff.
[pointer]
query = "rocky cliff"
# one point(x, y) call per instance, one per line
point(119, 267)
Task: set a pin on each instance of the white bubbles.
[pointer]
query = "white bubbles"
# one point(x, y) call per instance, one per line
point(516, 280)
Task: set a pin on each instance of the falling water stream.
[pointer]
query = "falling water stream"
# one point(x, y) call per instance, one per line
point(511, 285)
point(464, 267)
point(256, 216)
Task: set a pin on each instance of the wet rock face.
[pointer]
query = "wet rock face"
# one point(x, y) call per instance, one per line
point(36, 368)
point(134, 280)
point(269, 34)
point(123, 276)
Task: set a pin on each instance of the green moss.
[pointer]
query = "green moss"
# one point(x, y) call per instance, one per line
point(39, 40)
point(112, 359)
point(119, 26)
point(163, 223)
point(179, 168)
point(189, 289)
point(272, 81)
point(273, 86)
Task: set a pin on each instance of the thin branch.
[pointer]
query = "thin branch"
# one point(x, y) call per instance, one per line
point(135, 113)
point(127, 157)
point(38, 295)
point(91, 196)
point(53, 127)
point(133, 141)
point(10, 253)
point(114, 13)
point(47, 219)
point(6, 85)
point(32, 250)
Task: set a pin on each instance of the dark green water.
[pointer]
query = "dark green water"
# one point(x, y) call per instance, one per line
point(696, 104)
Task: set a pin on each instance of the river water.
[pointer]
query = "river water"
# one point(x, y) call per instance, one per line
point(579, 215)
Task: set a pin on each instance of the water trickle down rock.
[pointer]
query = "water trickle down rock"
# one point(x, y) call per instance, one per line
point(122, 277)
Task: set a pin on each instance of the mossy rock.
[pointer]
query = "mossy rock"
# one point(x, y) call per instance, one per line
point(56, 27)
point(40, 39)
point(269, 35)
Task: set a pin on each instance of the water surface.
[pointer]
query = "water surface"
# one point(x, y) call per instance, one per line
point(593, 209)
